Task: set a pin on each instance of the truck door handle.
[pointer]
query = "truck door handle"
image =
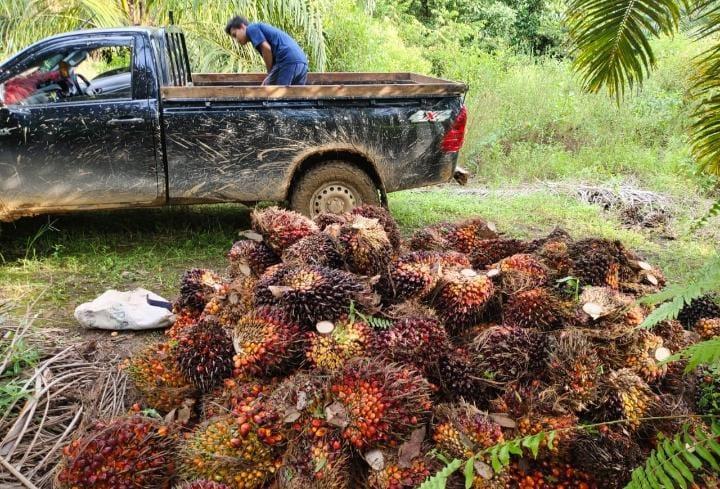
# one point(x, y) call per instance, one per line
point(122, 122)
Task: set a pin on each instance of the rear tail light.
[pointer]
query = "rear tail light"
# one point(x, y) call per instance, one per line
point(455, 137)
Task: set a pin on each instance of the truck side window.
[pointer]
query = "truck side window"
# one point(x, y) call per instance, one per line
point(102, 73)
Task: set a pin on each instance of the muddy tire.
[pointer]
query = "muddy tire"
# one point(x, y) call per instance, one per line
point(334, 187)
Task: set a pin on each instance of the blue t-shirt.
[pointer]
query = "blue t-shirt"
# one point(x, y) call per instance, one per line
point(284, 48)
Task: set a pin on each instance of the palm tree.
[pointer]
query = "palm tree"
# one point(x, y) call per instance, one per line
point(611, 41)
point(25, 21)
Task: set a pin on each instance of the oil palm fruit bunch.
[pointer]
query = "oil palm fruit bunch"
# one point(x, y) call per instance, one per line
point(204, 484)
point(349, 338)
point(314, 249)
point(310, 294)
point(643, 353)
point(204, 354)
point(673, 334)
point(535, 308)
point(465, 236)
point(232, 301)
point(462, 430)
point(397, 472)
point(267, 342)
point(708, 393)
point(457, 377)
point(509, 353)
point(489, 251)
point(376, 403)
point(229, 450)
point(416, 274)
point(184, 319)
point(250, 257)
point(555, 255)
point(316, 459)
point(562, 424)
point(281, 228)
point(325, 219)
point(414, 340)
point(603, 307)
point(700, 308)
point(574, 368)
point(557, 234)
point(625, 396)
point(520, 272)
point(300, 398)
point(158, 378)
point(610, 455)
point(597, 262)
point(133, 452)
point(708, 328)
point(197, 286)
point(234, 396)
point(549, 474)
point(461, 298)
point(364, 245)
point(384, 218)
point(432, 238)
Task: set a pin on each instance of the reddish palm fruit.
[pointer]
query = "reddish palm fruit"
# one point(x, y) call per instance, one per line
point(267, 343)
point(462, 430)
point(204, 485)
point(610, 455)
point(349, 339)
point(461, 298)
point(316, 459)
point(197, 287)
point(133, 453)
point(563, 424)
point(415, 340)
point(314, 249)
point(708, 328)
point(508, 353)
point(548, 474)
point(234, 396)
point(325, 219)
point(310, 294)
point(521, 272)
point(465, 236)
point(489, 251)
point(624, 395)
point(184, 319)
point(574, 369)
point(535, 308)
point(416, 274)
point(701, 308)
point(457, 377)
point(364, 245)
point(640, 349)
point(281, 228)
point(555, 255)
point(400, 473)
point(432, 238)
point(384, 217)
point(376, 403)
point(249, 257)
point(204, 355)
point(232, 301)
point(229, 450)
point(158, 379)
point(673, 334)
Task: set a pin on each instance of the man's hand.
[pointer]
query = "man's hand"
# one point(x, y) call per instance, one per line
point(267, 55)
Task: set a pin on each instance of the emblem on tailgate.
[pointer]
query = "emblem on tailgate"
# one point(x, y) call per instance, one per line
point(430, 116)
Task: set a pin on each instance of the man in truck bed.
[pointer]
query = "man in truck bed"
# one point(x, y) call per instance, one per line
point(285, 61)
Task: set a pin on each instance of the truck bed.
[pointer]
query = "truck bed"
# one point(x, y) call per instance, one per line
point(247, 86)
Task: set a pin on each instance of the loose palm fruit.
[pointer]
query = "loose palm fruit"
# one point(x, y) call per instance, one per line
point(462, 298)
point(458, 377)
point(386, 220)
point(462, 430)
point(132, 453)
point(184, 319)
point(316, 459)
point(610, 455)
point(489, 251)
point(548, 474)
point(625, 396)
point(232, 301)
point(158, 378)
point(507, 353)
point(204, 355)
point(310, 294)
point(415, 340)
point(376, 403)
point(197, 287)
point(280, 228)
point(314, 249)
point(708, 328)
point(364, 245)
point(249, 257)
point(349, 339)
point(466, 236)
point(574, 368)
point(267, 342)
point(229, 450)
point(520, 272)
point(398, 472)
point(535, 308)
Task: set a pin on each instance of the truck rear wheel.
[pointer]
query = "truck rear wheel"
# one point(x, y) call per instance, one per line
point(333, 187)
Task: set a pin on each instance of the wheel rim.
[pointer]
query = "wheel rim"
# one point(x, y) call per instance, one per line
point(335, 198)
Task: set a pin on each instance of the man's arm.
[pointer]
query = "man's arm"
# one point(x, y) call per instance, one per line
point(267, 55)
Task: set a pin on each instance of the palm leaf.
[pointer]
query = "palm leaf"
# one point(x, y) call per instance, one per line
point(611, 39)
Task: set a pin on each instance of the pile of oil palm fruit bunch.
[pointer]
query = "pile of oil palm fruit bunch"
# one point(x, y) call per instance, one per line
point(332, 353)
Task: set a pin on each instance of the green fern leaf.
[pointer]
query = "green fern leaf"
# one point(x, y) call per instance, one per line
point(439, 480)
point(703, 353)
point(714, 211)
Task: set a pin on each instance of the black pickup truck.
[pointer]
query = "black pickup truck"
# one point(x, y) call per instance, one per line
point(115, 118)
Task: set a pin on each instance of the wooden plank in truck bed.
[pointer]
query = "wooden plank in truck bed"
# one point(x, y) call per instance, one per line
point(247, 86)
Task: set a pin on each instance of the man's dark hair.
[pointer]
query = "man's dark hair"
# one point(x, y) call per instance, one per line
point(235, 23)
